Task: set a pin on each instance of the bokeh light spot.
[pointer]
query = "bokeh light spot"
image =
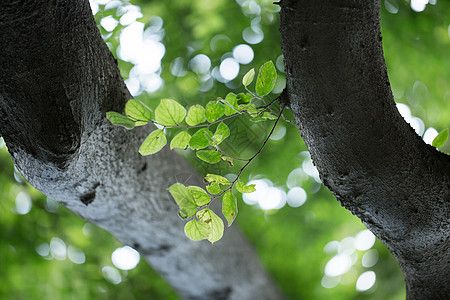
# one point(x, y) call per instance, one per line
point(76, 255)
point(370, 258)
point(229, 69)
point(243, 54)
point(364, 240)
point(365, 281)
point(112, 275)
point(125, 258)
point(23, 203)
point(338, 265)
point(58, 248)
point(296, 197)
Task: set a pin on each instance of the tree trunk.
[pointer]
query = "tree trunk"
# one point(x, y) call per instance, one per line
point(367, 155)
point(57, 81)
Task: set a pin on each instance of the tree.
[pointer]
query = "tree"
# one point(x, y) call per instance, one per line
point(58, 159)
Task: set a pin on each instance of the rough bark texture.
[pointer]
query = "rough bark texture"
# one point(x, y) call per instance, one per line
point(57, 80)
point(366, 154)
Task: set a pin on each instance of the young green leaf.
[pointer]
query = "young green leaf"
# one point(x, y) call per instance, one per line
point(209, 156)
point(213, 188)
point(440, 139)
point(222, 132)
point(200, 196)
point(243, 98)
point(248, 78)
point(231, 106)
point(229, 207)
point(195, 115)
point(217, 179)
point(214, 110)
point(245, 188)
point(181, 140)
point(200, 139)
point(118, 119)
point(229, 160)
point(216, 224)
point(169, 112)
point(139, 112)
point(196, 230)
point(184, 199)
point(154, 142)
point(267, 77)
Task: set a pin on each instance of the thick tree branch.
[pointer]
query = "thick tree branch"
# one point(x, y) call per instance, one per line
point(372, 160)
point(57, 80)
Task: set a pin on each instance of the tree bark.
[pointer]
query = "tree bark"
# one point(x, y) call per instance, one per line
point(57, 81)
point(366, 154)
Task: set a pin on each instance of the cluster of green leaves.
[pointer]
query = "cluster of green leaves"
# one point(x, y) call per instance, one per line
point(194, 201)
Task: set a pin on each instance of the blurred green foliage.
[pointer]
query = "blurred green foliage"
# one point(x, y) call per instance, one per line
point(290, 241)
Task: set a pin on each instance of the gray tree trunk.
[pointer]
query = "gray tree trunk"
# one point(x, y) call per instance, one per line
point(57, 81)
point(367, 155)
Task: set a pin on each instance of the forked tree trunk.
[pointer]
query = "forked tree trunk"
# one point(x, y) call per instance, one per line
point(366, 154)
point(57, 81)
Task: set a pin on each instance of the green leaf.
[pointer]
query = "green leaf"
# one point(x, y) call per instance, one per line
point(118, 119)
point(258, 120)
point(229, 160)
point(248, 78)
point(139, 112)
point(154, 142)
point(214, 110)
point(200, 140)
point(184, 199)
point(269, 116)
point(213, 188)
point(243, 98)
point(209, 156)
point(231, 106)
point(181, 140)
point(169, 112)
point(200, 196)
point(440, 139)
point(195, 115)
point(222, 132)
point(245, 188)
point(182, 215)
point(216, 224)
point(267, 77)
point(250, 108)
point(196, 230)
point(217, 179)
point(229, 207)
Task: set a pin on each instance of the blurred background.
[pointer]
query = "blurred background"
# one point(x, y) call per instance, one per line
point(195, 51)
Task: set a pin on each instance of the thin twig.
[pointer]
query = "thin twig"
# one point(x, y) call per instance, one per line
point(256, 154)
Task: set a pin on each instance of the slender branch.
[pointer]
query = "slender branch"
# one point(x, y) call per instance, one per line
point(256, 154)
